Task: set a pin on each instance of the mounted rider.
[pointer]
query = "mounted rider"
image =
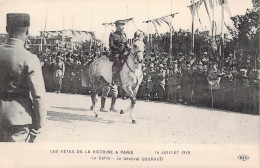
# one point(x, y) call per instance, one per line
point(120, 49)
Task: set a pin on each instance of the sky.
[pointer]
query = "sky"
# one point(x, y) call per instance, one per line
point(88, 15)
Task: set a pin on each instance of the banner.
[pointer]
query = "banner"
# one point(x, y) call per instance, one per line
point(162, 20)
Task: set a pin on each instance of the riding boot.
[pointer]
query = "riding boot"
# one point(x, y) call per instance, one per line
point(103, 101)
point(113, 102)
point(116, 68)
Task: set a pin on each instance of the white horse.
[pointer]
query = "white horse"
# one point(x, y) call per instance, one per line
point(131, 75)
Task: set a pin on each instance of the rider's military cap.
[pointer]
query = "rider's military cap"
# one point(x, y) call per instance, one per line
point(18, 20)
point(122, 22)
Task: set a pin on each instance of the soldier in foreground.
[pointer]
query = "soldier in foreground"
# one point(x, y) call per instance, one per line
point(21, 118)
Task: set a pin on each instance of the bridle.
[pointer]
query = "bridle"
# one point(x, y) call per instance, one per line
point(134, 55)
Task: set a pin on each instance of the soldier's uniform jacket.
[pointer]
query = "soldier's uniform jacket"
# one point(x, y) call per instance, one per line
point(118, 42)
point(20, 76)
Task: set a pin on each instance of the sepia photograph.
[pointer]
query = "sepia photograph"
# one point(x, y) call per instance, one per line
point(129, 83)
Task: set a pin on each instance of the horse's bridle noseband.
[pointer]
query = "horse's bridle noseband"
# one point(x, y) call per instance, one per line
point(135, 53)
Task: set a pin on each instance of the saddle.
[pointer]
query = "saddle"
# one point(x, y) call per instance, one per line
point(119, 60)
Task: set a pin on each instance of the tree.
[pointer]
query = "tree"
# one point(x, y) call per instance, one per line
point(247, 27)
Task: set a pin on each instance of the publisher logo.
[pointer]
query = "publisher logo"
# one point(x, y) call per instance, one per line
point(243, 157)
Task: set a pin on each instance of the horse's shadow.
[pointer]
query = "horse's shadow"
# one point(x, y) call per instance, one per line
point(68, 117)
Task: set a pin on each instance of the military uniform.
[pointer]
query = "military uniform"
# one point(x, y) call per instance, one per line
point(59, 70)
point(119, 48)
point(20, 117)
point(174, 81)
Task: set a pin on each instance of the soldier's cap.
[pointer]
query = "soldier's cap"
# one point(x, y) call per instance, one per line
point(18, 20)
point(121, 22)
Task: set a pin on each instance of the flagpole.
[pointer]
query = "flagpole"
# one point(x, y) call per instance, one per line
point(43, 34)
point(192, 27)
point(105, 36)
point(213, 20)
point(148, 29)
point(170, 53)
point(127, 18)
point(222, 34)
point(151, 41)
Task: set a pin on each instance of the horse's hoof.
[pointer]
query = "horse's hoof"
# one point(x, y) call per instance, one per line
point(122, 112)
point(91, 108)
point(133, 122)
point(96, 115)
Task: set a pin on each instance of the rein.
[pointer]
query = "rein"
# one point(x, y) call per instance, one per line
point(131, 69)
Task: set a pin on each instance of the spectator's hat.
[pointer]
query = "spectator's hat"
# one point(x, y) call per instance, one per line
point(180, 54)
point(161, 66)
point(230, 55)
point(151, 65)
point(205, 53)
point(18, 20)
point(191, 53)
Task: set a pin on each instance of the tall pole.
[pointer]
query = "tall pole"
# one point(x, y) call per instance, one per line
point(105, 36)
point(192, 26)
point(127, 18)
point(222, 34)
point(151, 40)
point(213, 20)
point(148, 28)
point(43, 34)
point(170, 53)
point(91, 39)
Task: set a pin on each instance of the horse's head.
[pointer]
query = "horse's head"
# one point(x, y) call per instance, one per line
point(138, 51)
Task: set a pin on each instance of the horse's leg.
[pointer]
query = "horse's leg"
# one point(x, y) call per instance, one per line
point(132, 95)
point(133, 101)
point(94, 101)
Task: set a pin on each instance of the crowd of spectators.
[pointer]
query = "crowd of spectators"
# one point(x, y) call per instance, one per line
point(231, 83)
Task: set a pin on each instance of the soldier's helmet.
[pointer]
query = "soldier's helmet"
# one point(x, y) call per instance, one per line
point(15, 20)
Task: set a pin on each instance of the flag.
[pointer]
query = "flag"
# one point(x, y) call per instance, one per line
point(206, 6)
point(196, 8)
point(211, 3)
point(227, 9)
point(156, 30)
point(221, 2)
